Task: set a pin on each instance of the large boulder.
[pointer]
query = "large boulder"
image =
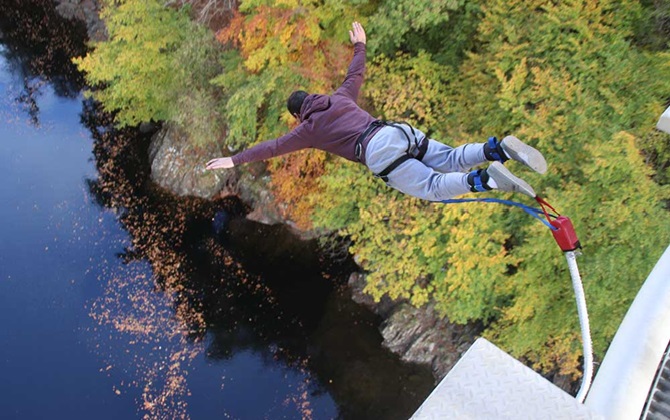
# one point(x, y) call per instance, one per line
point(420, 335)
point(87, 11)
point(179, 166)
point(417, 335)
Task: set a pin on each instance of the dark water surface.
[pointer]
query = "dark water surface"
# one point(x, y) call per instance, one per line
point(119, 301)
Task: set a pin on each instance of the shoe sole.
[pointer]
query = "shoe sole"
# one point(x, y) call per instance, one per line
point(521, 152)
point(507, 181)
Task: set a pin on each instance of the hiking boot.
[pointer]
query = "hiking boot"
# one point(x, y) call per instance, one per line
point(506, 181)
point(512, 148)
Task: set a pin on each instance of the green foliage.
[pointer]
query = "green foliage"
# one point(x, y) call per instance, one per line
point(656, 146)
point(156, 65)
point(566, 78)
point(340, 180)
point(409, 88)
point(255, 104)
point(583, 81)
point(198, 102)
point(653, 31)
point(394, 20)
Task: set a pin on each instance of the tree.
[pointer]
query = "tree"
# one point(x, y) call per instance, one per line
point(410, 26)
point(156, 65)
point(566, 78)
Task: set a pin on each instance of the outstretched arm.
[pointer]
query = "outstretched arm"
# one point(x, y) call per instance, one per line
point(354, 79)
point(296, 139)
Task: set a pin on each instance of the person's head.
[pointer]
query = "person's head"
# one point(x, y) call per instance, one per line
point(295, 101)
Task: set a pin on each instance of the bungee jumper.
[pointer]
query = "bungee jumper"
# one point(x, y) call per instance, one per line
point(399, 154)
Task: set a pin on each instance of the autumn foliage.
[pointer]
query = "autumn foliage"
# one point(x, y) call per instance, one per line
point(582, 81)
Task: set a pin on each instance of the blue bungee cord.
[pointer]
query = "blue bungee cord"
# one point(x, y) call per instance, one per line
point(535, 212)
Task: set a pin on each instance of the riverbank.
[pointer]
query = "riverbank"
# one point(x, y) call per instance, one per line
point(417, 335)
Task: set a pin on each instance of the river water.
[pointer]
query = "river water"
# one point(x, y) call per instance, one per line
point(120, 301)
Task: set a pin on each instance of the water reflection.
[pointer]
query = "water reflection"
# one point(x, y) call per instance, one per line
point(38, 47)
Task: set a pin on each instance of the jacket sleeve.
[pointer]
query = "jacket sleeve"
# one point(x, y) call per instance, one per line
point(354, 79)
point(290, 142)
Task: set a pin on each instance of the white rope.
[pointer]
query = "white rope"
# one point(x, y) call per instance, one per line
point(584, 324)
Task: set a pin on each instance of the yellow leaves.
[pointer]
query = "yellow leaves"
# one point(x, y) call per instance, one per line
point(520, 312)
point(429, 247)
point(288, 4)
point(413, 88)
point(470, 255)
point(560, 354)
point(512, 85)
point(421, 295)
point(553, 84)
point(389, 245)
point(432, 252)
point(280, 34)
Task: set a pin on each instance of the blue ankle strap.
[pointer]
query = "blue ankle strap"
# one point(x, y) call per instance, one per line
point(493, 149)
point(477, 184)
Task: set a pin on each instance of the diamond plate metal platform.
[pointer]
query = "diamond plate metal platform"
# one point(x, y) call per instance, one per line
point(658, 405)
point(487, 383)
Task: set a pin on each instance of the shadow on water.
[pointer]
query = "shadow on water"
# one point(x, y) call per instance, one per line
point(232, 285)
point(245, 286)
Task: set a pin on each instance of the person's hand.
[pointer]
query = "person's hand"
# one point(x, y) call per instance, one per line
point(224, 162)
point(357, 34)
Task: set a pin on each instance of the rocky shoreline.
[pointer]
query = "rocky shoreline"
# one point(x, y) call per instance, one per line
point(417, 335)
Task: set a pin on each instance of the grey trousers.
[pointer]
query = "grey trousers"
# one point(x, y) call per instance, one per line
point(440, 175)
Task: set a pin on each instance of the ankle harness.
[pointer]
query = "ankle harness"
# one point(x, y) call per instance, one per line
point(478, 180)
point(422, 146)
point(493, 150)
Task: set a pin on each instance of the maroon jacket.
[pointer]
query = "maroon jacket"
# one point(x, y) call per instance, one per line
point(330, 123)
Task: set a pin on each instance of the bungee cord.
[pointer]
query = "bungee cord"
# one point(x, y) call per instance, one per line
point(564, 233)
